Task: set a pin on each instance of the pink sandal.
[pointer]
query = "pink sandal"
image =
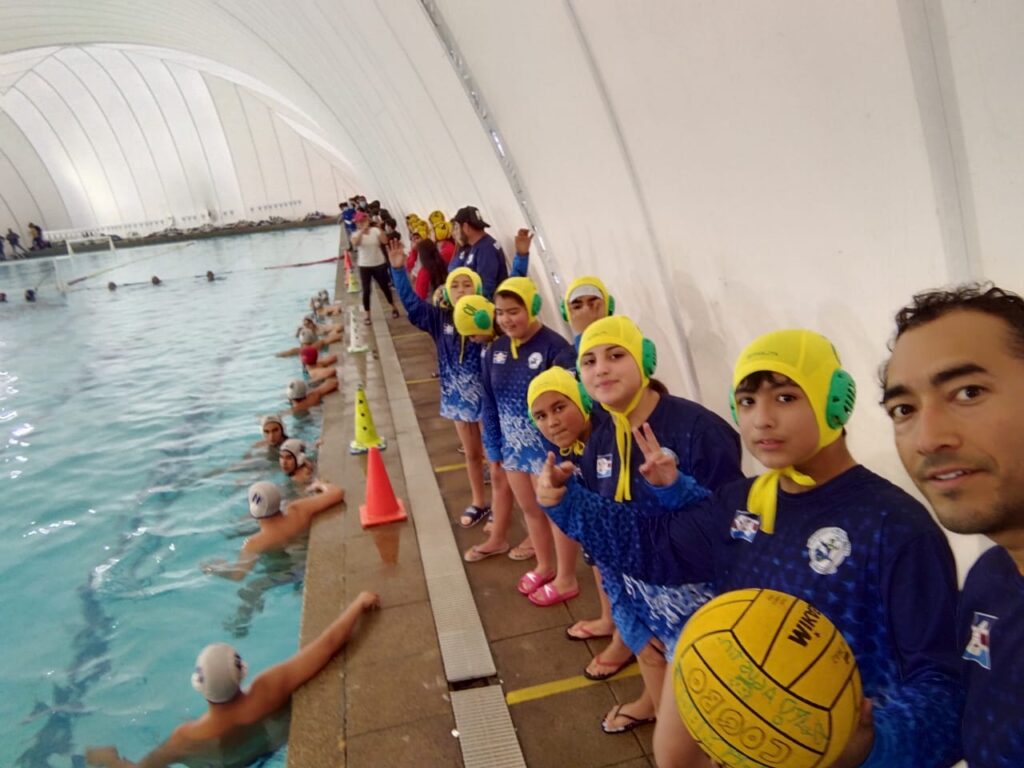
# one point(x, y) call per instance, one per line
point(531, 581)
point(548, 595)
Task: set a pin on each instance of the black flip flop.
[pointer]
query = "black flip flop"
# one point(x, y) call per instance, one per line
point(599, 678)
point(634, 722)
point(475, 515)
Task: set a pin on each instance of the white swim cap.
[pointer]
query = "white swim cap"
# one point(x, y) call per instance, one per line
point(296, 389)
point(306, 336)
point(296, 448)
point(264, 499)
point(271, 419)
point(219, 673)
point(324, 295)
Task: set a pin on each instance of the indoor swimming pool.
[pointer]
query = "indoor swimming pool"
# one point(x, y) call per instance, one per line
point(126, 419)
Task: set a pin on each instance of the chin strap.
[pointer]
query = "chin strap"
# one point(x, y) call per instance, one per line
point(763, 498)
point(624, 444)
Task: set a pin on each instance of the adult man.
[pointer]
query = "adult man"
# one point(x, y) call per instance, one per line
point(228, 725)
point(481, 253)
point(952, 389)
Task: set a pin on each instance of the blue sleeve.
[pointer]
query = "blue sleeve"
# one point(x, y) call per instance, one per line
point(520, 264)
point(642, 540)
point(422, 315)
point(487, 266)
point(917, 723)
point(489, 413)
point(714, 453)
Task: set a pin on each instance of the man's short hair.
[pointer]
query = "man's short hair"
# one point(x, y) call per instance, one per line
point(975, 297)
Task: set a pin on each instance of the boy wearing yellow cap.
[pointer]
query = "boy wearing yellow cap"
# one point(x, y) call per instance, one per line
point(818, 526)
point(510, 438)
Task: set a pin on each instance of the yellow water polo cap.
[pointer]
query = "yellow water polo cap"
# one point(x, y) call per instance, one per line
point(526, 290)
point(557, 379)
point(443, 230)
point(473, 316)
point(580, 285)
point(622, 332)
point(436, 217)
point(811, 362)
point(478, 284)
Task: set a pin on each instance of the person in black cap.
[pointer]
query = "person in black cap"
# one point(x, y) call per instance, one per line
point(482, 253)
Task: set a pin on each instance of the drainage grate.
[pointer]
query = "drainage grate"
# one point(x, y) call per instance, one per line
point(486, 734)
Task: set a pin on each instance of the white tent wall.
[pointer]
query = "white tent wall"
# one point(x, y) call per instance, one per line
point(727, 167)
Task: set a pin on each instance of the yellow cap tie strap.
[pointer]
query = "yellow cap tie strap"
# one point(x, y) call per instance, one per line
point(462, 348)
point(576, 449)
point(763, 499)
point(515, 348)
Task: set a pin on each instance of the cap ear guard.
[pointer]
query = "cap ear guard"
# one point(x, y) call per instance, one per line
point(482, 319)
point(535, 305)
point(587, 400)
point(650, 358)
point(842, 395)
point(732, 407)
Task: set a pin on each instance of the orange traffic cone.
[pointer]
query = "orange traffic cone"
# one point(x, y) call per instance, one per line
point(381, 504)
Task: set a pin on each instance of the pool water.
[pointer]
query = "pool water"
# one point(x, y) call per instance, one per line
point(125, 418)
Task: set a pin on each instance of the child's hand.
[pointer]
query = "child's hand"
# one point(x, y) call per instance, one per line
point(368, 600)
point(396, 254)
point(552, 480)
point(523, 240)
point(659, 468)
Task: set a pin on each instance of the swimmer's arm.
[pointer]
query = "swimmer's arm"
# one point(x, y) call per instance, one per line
point(168, 753)
point(272, 689)
point(305, 509)
point(288, 352)
point(233, 571)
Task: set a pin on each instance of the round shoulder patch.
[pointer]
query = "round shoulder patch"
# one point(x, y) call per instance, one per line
point(827, 548)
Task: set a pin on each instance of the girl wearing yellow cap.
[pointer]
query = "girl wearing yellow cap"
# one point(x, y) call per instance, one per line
point(512, 442)
point(815, 525)
point(459, 370)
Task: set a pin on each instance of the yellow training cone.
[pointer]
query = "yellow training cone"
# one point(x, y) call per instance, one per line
point(366, 433)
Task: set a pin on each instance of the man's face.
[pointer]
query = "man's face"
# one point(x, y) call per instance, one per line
point(953, 389)
point(460, 233)
point(584, 310)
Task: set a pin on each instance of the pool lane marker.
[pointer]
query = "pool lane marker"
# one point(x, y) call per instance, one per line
point(556, 687)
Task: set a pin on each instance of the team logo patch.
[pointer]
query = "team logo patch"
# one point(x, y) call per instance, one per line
point(827, 548)
point(979, 646)
point(745, 525)
point(535, 360)
point(500, 358)
point(449, 329)
point(604, 466)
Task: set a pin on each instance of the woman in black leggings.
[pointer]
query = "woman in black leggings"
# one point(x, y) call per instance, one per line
point(368, 241)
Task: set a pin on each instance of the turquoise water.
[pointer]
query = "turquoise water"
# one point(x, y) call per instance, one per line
point(125, 418)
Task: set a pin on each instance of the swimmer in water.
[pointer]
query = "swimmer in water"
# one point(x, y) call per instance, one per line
point(309, 335)
point(274, 435)
point(302, 398)
point(235, 712)
point(293, 462)
point(210, 277)
point(279, 526)
point(155, 280)
point(30, 296)
point(111, 286)
point(3, 297)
